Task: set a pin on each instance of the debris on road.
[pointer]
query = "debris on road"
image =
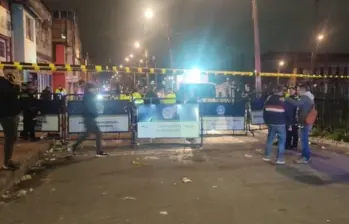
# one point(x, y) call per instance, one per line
point(259, 150)
point(129, 198)
point(21, 193)
point(151, 158)
point(136, 163)
point(214, 186)
point(186, 180)
point(163, 213)
point(26, 177)
point(248, 156)
point(323, 147)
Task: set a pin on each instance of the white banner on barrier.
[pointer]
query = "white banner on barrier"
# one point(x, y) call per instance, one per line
point(47, 123)
point(106, 123)
point(185, 129)
point(223, 123)
point(257, 117)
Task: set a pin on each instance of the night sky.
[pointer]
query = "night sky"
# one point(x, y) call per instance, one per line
point(207, 34)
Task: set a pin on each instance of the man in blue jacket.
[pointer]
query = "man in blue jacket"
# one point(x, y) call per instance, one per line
point(276, 116)
point(305, 104)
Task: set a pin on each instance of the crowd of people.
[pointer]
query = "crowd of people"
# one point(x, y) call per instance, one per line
point(287, 115)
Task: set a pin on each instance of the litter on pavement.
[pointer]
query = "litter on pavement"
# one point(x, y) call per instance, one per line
point(163, 213)
point(248, 156)
point(186, 180)
point(129, 198)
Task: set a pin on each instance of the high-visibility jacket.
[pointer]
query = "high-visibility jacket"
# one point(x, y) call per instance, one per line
point(137, 98)
point(124, 97)
point(170, 98)
point(61, 92)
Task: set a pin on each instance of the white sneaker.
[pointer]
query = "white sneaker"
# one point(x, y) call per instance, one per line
point(267, 159)
point(280, 162)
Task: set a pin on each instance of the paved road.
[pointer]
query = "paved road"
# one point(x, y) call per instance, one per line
point(230, 184)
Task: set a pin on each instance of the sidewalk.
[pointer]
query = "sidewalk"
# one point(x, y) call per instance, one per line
point(27, 154)
point(325, 144)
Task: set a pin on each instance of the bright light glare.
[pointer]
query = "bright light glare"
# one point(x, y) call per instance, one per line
point(281, 63)
point(99, 97)
point(127, 59)
point(131, 55)
point(137, 44)
point(121, 66)
point(193, 76)
point(320, 37)
point(148, 13)
point(141, 61)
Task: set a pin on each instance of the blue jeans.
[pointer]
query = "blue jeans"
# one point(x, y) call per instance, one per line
point(280, 131)
point(304, 135)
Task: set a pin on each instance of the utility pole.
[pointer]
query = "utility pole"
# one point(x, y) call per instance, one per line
point(313, 39)
point(257, 50)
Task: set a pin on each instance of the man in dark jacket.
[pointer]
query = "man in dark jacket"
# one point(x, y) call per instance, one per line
point(305, 105)
point(90, 115)
point(276, 116)
point(292, 126)
point(29, 104)
point(9, 118)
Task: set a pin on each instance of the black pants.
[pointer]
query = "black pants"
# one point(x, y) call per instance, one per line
point(29, 127)
point(9, 125)
point(292, 137)
point(91, 128)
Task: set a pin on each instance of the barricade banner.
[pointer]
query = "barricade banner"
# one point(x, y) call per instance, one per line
point(113, 116)
point(257, 106)
point(46, 123)
point(168, 121)
point(223, 116)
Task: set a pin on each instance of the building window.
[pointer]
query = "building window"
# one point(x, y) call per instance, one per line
point(2, 48)
point(30, 26)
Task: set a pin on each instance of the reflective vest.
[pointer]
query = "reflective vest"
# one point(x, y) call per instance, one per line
point(124, 97)
point(170, 98)
point(137, 98)
point(61, 92)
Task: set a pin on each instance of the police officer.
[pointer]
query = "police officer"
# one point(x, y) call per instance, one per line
point(170, 97)
point(30, 112)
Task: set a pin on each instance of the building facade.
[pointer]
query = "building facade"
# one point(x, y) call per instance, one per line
point(66, 49)
point(5, 32)
point(31, 21)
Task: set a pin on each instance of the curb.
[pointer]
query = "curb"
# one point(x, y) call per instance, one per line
point(8, 178)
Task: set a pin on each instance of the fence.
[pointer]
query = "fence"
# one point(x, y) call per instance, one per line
point(183, 120)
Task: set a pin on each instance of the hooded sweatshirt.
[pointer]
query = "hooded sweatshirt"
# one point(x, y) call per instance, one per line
point(304, 104)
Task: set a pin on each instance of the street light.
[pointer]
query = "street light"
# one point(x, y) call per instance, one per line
point(137, 44)
point(127, 59)
point(320, 37)
point(131, 55)
point(141, 61)
point(121, 66)
point(280, 65)
point(148, 13)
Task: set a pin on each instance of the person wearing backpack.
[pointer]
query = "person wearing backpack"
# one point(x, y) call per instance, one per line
point(9, 99)
point(306, 118)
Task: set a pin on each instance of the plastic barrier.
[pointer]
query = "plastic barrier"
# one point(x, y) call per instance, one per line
point(218, 116)
point(113, 116)
point(165, 121)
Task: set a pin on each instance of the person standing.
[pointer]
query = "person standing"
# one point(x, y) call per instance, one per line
point(90, 115)
point(276, 117)
point(30, 110)
point(9, 94)
point(305, 105)
point(292, 126)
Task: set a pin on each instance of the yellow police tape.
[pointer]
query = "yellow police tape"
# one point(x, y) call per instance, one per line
point(140, 70)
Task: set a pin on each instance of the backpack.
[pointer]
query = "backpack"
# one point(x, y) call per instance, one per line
point(312, 115)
